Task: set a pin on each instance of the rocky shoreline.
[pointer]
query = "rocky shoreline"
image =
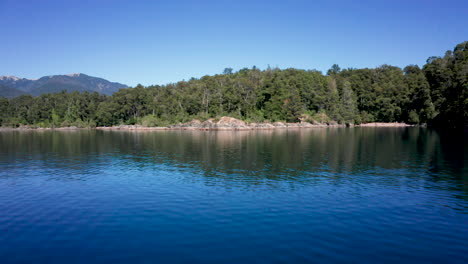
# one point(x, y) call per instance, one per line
point(224, 123)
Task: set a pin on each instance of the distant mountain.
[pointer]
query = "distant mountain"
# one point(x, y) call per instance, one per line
point(9, 92)
point(14, 82)
point(57, 83)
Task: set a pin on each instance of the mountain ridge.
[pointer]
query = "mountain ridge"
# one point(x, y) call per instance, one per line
point(56, 83)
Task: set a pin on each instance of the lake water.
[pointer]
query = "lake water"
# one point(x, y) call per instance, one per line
point(351, 195)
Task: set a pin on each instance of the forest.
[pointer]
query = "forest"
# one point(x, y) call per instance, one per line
point(436, 95)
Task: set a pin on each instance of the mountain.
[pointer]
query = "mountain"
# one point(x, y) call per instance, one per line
point(21, 84)
point(9, 92)
point(56, 83)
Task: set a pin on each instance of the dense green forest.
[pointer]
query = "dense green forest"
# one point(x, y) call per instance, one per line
point(436, 95)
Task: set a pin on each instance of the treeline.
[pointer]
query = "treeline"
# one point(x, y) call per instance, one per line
point(437, 95)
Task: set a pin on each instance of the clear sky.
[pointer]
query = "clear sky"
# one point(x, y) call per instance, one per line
point(156, 42)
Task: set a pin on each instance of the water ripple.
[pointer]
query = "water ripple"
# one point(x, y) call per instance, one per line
point(263, 197)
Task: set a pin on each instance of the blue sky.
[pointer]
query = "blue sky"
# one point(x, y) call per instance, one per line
point(157, 42)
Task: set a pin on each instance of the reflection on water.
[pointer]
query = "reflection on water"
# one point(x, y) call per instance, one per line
point(344, 194)
point(253, 155)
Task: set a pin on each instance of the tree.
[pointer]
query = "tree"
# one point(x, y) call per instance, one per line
point(437, 95)
point(420, 103)
point(448, 82)
point(332, 100)
point(227, 71)
point(334, 70)
point(348, 109)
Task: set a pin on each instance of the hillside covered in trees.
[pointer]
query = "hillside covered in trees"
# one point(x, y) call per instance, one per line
point(436, 94)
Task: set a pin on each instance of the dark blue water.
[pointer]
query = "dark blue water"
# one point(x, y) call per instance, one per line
point(351, 195)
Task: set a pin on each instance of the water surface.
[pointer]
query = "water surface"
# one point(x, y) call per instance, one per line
point(361, 195)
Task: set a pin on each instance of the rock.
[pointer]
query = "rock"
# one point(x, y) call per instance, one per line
point(226, 121)
point(194, 123)
point(208, 123)
point(67, 128)
point(385, 125)
point(279, 124)
point(261, 125)
point(306, 124)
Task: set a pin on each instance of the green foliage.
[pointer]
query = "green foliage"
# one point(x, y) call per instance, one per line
point(320, 117)
point(149, 121)
point(332, 100)
point(448, 80)
point(420, 95)
point(153, 121)
point(55, 119)
point(43, 124)
point(348, 108)
point(334, 70)
point(365, 117)
point(413, 117)
point(436, 94)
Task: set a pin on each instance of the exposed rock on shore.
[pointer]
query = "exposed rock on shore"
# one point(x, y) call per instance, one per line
point(385, 125)
point(230, 123)
point(132, 127)
point(224, 123)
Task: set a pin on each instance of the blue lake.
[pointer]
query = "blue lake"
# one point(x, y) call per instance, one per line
point(349, 195)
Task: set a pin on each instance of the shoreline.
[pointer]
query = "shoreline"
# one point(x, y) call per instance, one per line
point(223, 124)
point(261, 126)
